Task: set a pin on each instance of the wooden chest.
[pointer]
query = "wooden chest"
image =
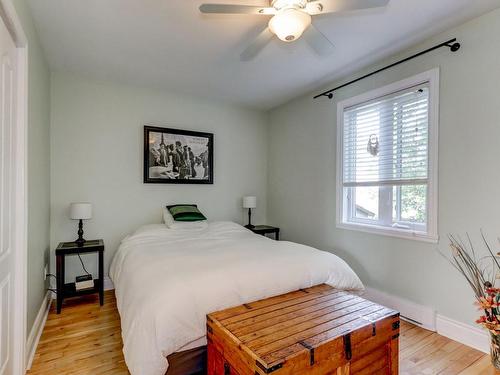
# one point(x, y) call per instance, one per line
point(318, 330)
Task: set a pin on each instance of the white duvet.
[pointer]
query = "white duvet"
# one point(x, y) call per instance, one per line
point(166, 281)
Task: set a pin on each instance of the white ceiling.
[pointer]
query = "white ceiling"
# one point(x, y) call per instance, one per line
point(169, 44)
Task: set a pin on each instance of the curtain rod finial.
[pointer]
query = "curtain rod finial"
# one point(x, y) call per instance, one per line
point(455, 47)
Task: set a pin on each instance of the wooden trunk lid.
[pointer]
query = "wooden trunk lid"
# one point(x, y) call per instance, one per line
point(311, 331)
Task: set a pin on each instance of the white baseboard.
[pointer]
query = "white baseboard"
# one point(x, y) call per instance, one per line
point(421, 315)
point(427, 318)
point(37, 329)
point(474, 337)
point(108, 284)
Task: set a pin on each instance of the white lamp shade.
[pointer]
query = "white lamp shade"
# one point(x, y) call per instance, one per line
point(249, 202)
point(80, 211)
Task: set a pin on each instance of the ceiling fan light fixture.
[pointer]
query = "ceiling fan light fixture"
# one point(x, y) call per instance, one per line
point(289, 24)
point(282, 4)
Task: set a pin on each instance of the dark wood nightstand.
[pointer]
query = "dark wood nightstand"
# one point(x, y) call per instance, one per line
point(265, 229)
point(67, 290)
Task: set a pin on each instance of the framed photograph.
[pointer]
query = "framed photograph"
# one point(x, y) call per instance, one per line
point(174, 156)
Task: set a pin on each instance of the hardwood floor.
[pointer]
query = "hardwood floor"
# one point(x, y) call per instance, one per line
point(85, 339)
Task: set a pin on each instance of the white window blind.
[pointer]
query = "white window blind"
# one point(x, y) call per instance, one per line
point(385, 141)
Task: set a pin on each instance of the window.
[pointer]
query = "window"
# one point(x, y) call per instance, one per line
point(387, 159)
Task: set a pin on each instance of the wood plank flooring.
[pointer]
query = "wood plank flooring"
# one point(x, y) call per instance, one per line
point(86, 339)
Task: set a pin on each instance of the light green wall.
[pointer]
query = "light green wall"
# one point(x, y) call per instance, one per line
point(300, 157)
point(38, 164)
point(97, 156)
point(302, 152)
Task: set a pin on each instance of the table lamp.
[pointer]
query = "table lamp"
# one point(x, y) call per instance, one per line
point(80, 211)
point(249, 202)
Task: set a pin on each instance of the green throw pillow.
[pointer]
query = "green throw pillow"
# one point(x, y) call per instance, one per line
point(186, 212)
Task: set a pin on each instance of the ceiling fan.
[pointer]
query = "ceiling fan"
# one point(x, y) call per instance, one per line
point(291, 19)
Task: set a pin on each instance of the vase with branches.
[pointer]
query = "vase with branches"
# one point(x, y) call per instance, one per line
point(481, 272)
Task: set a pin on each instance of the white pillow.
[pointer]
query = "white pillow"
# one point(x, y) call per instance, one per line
point(183, 225)
point(168, 219)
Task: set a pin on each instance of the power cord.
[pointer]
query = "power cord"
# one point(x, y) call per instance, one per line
point(83, 266)
point(55, 277)
point(50, 288)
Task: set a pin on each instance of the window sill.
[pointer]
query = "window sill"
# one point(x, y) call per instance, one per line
point(390, 232)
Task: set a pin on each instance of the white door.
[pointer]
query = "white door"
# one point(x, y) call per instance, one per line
point(8, 86)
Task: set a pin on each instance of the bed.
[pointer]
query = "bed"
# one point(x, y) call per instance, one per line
point(166, 281)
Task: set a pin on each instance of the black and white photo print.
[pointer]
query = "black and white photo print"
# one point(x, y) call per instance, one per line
point(177, 156)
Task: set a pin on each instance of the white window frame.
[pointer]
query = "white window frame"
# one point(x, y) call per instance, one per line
point(431, 235)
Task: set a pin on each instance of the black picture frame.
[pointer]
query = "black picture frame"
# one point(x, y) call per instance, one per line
point(171, 163)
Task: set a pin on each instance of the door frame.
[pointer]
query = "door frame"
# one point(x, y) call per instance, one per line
point(9, 16)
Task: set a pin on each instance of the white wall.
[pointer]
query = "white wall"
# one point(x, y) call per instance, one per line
point(301, 171)
point(97, 156)
point(38, 165)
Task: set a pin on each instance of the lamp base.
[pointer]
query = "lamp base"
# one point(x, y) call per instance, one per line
point(80, 241)
point(249, 225)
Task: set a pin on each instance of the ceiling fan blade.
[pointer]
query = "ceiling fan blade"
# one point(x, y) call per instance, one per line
point(257, 45)
point(236, 9)
point(332, 6)
point(318, 42)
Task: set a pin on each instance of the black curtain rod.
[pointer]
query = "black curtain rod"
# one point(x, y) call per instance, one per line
point(452, 44)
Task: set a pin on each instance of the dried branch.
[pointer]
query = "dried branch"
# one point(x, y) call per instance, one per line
point(481, 274)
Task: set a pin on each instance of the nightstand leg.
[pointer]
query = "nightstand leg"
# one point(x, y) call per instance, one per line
point(60, 281)
point(101, 277)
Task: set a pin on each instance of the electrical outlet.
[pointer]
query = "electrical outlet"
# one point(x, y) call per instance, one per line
point(45, 272)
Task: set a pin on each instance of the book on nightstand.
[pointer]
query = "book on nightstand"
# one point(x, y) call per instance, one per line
point(84, 282)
